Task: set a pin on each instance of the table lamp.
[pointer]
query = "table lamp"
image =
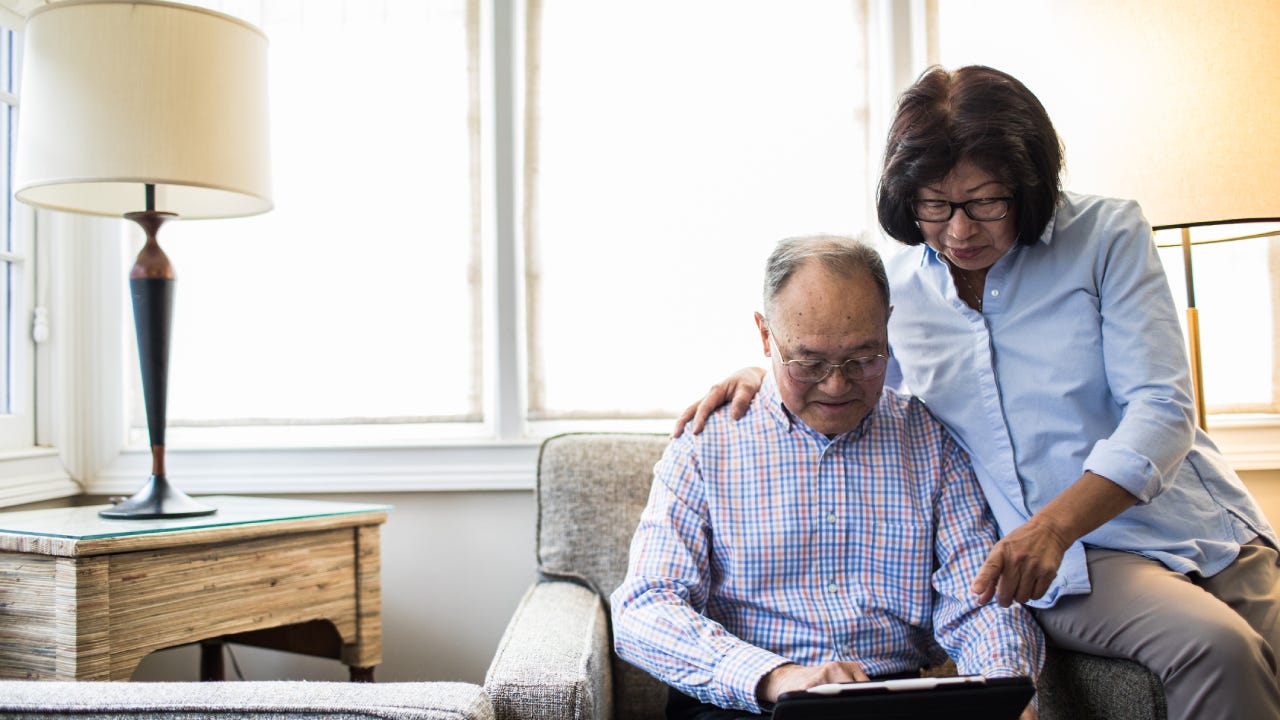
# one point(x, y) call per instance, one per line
point(151, 111)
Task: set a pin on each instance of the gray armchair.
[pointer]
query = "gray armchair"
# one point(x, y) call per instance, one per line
point(556, 657)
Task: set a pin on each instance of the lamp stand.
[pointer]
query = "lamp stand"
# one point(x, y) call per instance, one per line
point(151, 285)
point(1193, 333)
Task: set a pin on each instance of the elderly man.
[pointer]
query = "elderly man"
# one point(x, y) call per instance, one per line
point(828, 535)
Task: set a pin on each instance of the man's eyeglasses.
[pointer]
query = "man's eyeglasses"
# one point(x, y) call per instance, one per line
point(811, 372)
point(980, 209)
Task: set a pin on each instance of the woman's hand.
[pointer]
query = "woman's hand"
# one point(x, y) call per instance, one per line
point(737, 390)
point(792, 677)
point(1023, 564)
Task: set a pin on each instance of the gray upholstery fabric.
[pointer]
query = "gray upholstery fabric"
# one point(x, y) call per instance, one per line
point(591, 491)
point(1076, 686)
point(233, 700)
point(553, 660)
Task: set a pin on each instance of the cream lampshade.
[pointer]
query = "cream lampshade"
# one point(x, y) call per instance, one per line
point(150, 110)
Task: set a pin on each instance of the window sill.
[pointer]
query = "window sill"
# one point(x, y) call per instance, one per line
point(1250, 442)
point(455, 467)
point(334, 460)
point(393, 461)
point(33, 475)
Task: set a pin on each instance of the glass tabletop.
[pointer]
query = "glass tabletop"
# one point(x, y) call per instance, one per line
point(83, 522)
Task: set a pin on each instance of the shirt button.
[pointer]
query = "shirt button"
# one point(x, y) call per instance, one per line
point(995, 293)
point(831, 517)
point(832, 587)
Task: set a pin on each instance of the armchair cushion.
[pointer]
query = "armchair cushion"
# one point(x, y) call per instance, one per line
point(1078, 686)
point(591, 491)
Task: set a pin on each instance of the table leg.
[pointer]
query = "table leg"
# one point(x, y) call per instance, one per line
point(211, 663)
point(361, 674)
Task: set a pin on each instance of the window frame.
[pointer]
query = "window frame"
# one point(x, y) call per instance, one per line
point(17, 298)
point(30, 467)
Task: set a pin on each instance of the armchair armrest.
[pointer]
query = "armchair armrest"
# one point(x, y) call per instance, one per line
point(553, 661)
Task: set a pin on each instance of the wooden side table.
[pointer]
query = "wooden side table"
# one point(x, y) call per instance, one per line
point(86, 598)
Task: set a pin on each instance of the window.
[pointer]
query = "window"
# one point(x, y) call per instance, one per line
point(17, 424)
point(1237, 346)
point(356, 300)
point(29, 469)
point(359, 304)
point(668, 149)
point(497, 220)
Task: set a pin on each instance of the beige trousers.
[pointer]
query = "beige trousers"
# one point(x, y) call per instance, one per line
point(1213, 642)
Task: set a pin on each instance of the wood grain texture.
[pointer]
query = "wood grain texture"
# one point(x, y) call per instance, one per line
point(92, 609)
point(81, 547)
point(367, 651)
point(27, 617)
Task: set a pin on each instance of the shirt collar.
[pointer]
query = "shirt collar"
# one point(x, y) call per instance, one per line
point(1046, 236)
point(772, 401)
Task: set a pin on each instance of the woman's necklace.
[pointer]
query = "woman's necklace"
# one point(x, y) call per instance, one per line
point(975, 295)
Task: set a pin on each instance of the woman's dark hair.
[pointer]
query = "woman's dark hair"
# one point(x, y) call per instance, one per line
point(975, 114)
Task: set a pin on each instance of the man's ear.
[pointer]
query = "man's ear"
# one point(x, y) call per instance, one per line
point(763, 326)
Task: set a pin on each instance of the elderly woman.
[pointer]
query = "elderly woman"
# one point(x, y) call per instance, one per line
point(1038, 326)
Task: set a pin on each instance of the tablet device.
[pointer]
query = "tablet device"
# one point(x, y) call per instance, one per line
point(964, 697)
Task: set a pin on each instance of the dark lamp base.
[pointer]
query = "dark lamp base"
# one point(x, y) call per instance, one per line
point(157, 499)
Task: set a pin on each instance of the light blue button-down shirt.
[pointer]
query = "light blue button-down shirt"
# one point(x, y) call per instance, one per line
point(1075, 364)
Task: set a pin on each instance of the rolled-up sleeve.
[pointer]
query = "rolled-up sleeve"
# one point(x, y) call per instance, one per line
point(1145, 361)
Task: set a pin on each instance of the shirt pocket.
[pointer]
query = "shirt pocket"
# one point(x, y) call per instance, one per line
point(894, 566)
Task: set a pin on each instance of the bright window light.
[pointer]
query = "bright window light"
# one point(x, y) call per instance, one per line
point(673, 144)
point(355, 299)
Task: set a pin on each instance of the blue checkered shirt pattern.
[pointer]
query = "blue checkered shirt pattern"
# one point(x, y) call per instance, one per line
point(764, 542)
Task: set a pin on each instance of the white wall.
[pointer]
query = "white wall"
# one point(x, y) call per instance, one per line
point(454, 565)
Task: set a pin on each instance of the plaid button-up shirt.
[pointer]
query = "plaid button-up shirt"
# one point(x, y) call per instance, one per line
point(764, 542)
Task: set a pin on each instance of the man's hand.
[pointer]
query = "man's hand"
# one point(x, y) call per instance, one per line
point(737, 390)
point(1029, 713)
point(1022, 565)
point(792, 677)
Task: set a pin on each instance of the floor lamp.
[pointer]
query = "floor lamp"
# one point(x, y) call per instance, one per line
point(1191, 128)
point(1185, 240)
point(151, 111)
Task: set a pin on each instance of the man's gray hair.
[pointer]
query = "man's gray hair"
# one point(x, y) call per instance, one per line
point(841, 255)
